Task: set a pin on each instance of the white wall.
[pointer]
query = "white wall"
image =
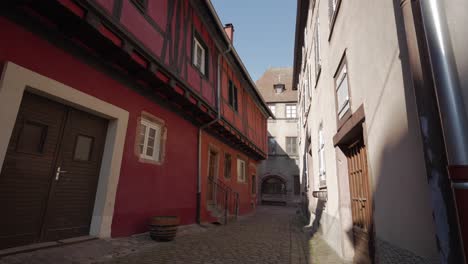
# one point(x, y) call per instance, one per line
point(367, 32)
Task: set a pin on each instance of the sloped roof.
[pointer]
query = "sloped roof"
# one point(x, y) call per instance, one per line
point(274, 76)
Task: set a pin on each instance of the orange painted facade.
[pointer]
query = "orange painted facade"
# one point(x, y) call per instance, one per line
point(246, 196)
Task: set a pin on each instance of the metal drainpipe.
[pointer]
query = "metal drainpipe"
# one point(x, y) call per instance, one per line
point(444, 71)
point(200, 130)
point(442, 200)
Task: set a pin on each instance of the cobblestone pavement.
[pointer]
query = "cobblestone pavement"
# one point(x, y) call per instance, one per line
point(272, 235)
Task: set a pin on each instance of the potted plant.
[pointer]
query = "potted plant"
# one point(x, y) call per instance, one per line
point(164, 228)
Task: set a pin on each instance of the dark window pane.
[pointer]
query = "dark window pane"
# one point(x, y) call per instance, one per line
point(231, 94)
point(83, 148)
point(32, 138)
point(235, 98)
point(227, 166)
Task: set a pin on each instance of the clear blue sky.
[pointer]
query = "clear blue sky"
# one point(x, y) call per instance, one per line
point(264, 31)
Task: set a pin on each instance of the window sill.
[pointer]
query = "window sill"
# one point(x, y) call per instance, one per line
point(201, 74)
point(150, 161)
point(341, 121)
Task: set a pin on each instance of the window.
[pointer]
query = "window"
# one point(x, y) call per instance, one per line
point(141, 4)
point(271, 146)
point(227, 165)
point(150, 140)
point(332, 10)
point(32, 138)
point(240, 170)
point(317, 59)
point(321, 157)
point(291, 111)
point(279, 88)
point(83, 147)
point(342, 92)
point(273, 109)
point(233, 95)
point(291, 145)
point(200, 56)
point(254, 184)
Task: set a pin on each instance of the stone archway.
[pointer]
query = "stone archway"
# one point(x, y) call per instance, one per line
point(273, 190)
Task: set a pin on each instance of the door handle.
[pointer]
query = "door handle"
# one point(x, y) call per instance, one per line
point(57, 173)
point(460, 185)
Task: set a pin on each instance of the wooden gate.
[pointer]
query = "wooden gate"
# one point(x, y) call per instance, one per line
point(49, 177)
point(361, 201)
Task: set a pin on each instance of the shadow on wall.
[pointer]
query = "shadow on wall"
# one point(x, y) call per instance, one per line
point(277, 185)
point(402, 228)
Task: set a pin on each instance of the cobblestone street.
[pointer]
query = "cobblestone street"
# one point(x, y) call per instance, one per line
point(272, 235)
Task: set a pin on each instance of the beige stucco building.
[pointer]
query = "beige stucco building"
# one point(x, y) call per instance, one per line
point(279, 174)
point(367, 169)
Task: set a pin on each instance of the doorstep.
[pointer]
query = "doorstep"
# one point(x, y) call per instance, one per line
point(44, 245)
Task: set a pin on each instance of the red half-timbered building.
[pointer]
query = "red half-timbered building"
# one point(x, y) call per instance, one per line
point(113, 111)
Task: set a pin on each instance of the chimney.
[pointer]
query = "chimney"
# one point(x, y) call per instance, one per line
point(229, 29)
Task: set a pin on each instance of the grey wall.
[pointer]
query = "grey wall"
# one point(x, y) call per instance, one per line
point(369, 33)
point(282, 164)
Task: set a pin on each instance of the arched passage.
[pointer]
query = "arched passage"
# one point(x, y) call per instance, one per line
point(273, 189)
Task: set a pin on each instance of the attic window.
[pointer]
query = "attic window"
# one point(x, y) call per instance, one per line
point(279, 88)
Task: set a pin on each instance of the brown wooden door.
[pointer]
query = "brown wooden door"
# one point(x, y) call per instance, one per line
point(72, 194)
point(361, 201)
point(36, 206)
point(211, 174)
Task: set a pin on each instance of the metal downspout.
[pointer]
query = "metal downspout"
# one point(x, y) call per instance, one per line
point(444, 71)
point(442, 200)
point(201, 128)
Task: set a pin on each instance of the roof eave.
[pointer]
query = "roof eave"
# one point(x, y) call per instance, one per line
point(238, 59)
point(301, 21)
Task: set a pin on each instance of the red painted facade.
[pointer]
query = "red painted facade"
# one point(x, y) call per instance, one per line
point(155, 43)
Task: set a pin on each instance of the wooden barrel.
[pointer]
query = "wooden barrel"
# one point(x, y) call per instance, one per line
point(164, 228)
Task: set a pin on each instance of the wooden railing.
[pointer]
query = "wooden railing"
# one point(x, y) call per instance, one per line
point(224, 198)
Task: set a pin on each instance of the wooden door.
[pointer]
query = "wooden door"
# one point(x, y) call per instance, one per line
point(76, 176)
point(26, 174)
point(361, 201)
point(211, 174)
point(37, 206)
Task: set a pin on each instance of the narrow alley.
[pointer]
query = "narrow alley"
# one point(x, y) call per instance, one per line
point(266, 131)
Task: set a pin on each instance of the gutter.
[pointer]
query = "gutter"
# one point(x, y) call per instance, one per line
point(430, 61)
point(447, 84)
point(201, 128)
